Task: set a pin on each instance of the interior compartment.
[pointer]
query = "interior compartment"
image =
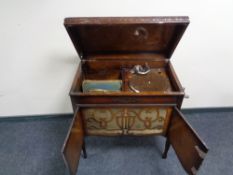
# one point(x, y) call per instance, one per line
point(161, 77)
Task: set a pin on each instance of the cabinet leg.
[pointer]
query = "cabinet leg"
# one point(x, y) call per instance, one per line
point(84, 150)
point(167, 146)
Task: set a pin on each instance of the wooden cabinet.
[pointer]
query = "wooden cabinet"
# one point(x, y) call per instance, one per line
point(126, 85)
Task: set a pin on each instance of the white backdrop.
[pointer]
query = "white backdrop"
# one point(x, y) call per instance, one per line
point(38, 60)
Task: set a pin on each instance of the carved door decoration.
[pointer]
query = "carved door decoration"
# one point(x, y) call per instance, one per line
point(133, 121)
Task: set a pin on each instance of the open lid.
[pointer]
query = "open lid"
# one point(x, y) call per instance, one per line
point(106, 36)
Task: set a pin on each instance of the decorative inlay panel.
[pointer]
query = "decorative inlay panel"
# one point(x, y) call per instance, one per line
point(135, 121)
point(149, 120)
point(103, 120)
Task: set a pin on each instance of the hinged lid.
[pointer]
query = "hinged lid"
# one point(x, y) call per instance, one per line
point(125, 35)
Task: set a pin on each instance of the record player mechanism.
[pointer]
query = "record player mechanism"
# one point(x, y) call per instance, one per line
point(138, 79)
point(148, 80)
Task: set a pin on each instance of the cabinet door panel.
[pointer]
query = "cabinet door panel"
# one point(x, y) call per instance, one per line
point(73, 144)
point(190, 149)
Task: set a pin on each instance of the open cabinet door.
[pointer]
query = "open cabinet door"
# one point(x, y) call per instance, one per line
point(73, 144)
point(189, 148)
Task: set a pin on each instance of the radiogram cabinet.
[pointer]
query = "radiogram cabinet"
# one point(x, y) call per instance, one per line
point(126, 85)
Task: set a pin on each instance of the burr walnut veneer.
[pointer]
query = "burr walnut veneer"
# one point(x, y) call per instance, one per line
point(134, 54)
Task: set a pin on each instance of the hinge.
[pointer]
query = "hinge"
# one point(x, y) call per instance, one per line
point(201, 153)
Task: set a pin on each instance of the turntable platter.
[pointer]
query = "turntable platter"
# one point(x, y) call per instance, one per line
point(155, 80)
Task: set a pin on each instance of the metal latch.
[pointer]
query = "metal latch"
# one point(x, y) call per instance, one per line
point(185, 95)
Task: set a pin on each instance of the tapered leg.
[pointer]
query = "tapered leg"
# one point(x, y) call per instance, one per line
point(84, 150)
point(167, 146)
